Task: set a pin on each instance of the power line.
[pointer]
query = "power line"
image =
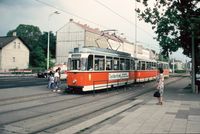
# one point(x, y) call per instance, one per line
point(122, 17)
point(52, 6)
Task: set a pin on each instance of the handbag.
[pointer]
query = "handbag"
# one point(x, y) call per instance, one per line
point(156, 94)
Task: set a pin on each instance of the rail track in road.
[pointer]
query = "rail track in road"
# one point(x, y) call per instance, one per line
point(52, 112)
point(21, 81)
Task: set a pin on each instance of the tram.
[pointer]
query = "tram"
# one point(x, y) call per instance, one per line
point(91, 68)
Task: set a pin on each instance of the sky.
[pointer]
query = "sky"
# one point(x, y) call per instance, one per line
point(102, 14)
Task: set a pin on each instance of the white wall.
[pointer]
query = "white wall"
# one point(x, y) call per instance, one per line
point(68, 37)
point(15, 55)
point(71, 35)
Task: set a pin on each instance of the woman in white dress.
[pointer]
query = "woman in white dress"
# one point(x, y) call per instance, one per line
point(160, 86)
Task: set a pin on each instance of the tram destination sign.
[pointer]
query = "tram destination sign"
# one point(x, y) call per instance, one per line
point(117, 76)
point(76, 55)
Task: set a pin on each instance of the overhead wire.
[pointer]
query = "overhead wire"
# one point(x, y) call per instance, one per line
point(67, 12)
point(130, 22)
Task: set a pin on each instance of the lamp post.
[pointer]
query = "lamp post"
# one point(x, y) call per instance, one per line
point(135, 51)
point(195, 20)
point(48, 40)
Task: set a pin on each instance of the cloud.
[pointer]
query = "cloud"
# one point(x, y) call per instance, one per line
point(23, 3)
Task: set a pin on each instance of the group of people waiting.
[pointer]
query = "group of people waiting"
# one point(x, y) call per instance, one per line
point(54, 80)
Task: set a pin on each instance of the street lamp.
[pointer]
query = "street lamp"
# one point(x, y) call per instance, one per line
point(48, 41)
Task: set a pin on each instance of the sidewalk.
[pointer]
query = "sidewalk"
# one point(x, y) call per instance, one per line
point(179, 114)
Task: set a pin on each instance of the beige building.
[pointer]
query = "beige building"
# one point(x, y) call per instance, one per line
point(74, 34)
point(14, 53)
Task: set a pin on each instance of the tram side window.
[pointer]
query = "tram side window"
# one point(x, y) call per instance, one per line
point(109, 63)
point(153, 65)
point(90, 62)
point(160, 65)
point(116, 64)
point(138, 65)
point(165, 66)
point(148, 65)
point(143, 67)
point(99, 63)
point(132, 65)
point(127, 64)
point(122, 64)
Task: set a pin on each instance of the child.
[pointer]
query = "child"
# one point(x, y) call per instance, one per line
point(51, 81)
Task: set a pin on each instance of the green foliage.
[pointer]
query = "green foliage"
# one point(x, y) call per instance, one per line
point(163, 58)
point(171, 21)
point(37, 42)
point(38, 57)
point(52, 45)
point(29, 33)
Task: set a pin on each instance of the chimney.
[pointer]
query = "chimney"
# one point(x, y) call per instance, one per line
point(14, 34)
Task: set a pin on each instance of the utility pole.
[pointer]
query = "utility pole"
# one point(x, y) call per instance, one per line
point(193, 61)
point(135, 52)
point(48, 40)
point(173, 65)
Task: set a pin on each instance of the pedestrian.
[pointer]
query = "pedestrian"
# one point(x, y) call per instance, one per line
point(57, 80)
point(160, 87)
point(51, 80)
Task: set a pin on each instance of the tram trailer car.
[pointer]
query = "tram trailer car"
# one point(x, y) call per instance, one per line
point(93, 68)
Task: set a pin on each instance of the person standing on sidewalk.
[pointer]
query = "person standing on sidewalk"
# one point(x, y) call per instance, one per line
point(160, 86)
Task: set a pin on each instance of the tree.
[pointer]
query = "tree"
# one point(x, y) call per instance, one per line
point(171, 20)
point(52, 46)
point(37, 42)
point(38, 56)
point(29, 33)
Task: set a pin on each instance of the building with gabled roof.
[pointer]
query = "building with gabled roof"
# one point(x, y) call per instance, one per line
point(14, 53)
point(74, 34)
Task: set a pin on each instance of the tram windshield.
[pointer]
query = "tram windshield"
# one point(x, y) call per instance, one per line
point(77, 64)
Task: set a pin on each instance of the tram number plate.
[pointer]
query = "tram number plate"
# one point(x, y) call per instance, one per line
point(116, 76)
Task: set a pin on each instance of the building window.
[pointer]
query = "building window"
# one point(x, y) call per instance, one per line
point(13, 59)
point(19, 45)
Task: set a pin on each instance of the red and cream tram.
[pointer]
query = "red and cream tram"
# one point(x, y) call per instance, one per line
point(92, 68)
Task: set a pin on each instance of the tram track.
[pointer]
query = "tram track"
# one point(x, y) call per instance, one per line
point(20, 99)
point(97, 98)
point(70, 113)
point(117, 104)
point(102, 103)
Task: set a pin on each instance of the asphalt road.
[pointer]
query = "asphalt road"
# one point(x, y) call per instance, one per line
point(36, 109)
point(21, 81)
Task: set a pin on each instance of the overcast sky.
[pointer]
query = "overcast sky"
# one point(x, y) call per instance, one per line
point(102, 14)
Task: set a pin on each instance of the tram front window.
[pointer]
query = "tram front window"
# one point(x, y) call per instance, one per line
point(75, 64)
point(78, 64)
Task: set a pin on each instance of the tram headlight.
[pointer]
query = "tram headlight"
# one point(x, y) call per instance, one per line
point(74, 81)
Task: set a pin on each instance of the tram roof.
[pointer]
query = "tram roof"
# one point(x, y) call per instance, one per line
point(102, 51)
